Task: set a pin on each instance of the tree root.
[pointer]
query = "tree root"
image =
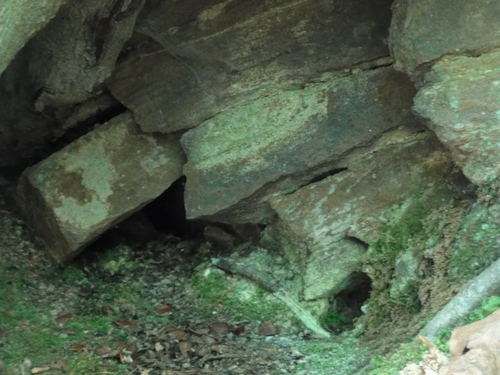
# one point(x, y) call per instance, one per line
point(268, 283)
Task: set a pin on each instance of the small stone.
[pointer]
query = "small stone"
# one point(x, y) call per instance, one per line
point(268, 329)
point(219, 330)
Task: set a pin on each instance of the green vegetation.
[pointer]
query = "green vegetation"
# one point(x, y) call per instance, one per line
point(488, 306)
point(117, 260)
point(23, 327)
point(478, 245)
point(346, 355)
point(414, 351)
point(30, 330)
point(411, 352)
point(394, 235)
point(235, 296)
point(335, 322)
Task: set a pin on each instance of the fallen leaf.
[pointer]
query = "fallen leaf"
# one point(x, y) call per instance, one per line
point(121, 323)
point(185, 347)
point(76, 348)
point(61, 319)
point(181, 335)
point(219, 329)
point(39, 370)
point(60, 365)
point(169, 328)
point(146, 372)
point(273, 349)
point(125, 358)
point(268, 329)
point(159, 347)
point(238, 330)
point(165, 309)
point(102, 350)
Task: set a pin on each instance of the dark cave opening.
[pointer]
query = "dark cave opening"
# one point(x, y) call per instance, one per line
point(168, 215)
point(347, 305)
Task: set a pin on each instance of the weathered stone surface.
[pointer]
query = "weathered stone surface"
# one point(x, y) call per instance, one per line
point(217, 54)
point(397, 167)
point(77, 193)
point(237, 152)
point(461, 100)
point(19, 21)
point(64, 64)
point(405, 275)
point(78, 49)
point(424, 30)
point(475, 348)
point(482, 332)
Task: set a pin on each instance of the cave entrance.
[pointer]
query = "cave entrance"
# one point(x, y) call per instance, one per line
point(346, 306)
point(167, 213)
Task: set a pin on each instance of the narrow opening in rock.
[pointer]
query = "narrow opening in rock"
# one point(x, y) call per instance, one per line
point(80, 124)
point(327, 174)
point(168, 215)
point(346, 305)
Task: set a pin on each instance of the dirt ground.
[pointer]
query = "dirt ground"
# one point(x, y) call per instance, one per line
point(129, 309)
point(124, 307)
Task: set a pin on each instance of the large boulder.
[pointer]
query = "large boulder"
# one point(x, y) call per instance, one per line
point(461, 99)
point(275, 144)
point(320, 215)
point(79, 192)
point(64, 64)
point(77, 51)
point(212, 55)
point(19, 21)
point(422, 31)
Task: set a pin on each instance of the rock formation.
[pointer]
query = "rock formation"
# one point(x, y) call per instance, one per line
point(356, 138)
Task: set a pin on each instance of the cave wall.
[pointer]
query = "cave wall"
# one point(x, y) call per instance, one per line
point(321, 120)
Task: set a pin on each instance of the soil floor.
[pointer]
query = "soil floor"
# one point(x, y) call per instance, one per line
point(125, 309)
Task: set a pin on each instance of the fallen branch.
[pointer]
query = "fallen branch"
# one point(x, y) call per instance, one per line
point(470, 296)
point(268, 283)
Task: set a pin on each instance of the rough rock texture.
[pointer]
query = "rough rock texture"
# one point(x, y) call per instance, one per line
point(483, 332)
point(64, 64)
point(237, 152)
point(405, 274)
point(319, 215)
point(76, 194)
point(19, 21)
point(69, 70)
point(213, 55)
point(425, 30)
point(474, 349)
point(461, 100)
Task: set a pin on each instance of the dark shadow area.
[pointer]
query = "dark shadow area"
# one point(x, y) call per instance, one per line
point(168, 214)
point(346, 306)
point(325, 175)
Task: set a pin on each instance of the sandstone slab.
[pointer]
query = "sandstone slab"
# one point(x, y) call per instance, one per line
point(319, 215)
point(19, 20)
point(79, 192)
point(461, 100)
point(425, 30)
point(212, 55)
point(77, 51)
point(65, 63)
point(291, 133)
